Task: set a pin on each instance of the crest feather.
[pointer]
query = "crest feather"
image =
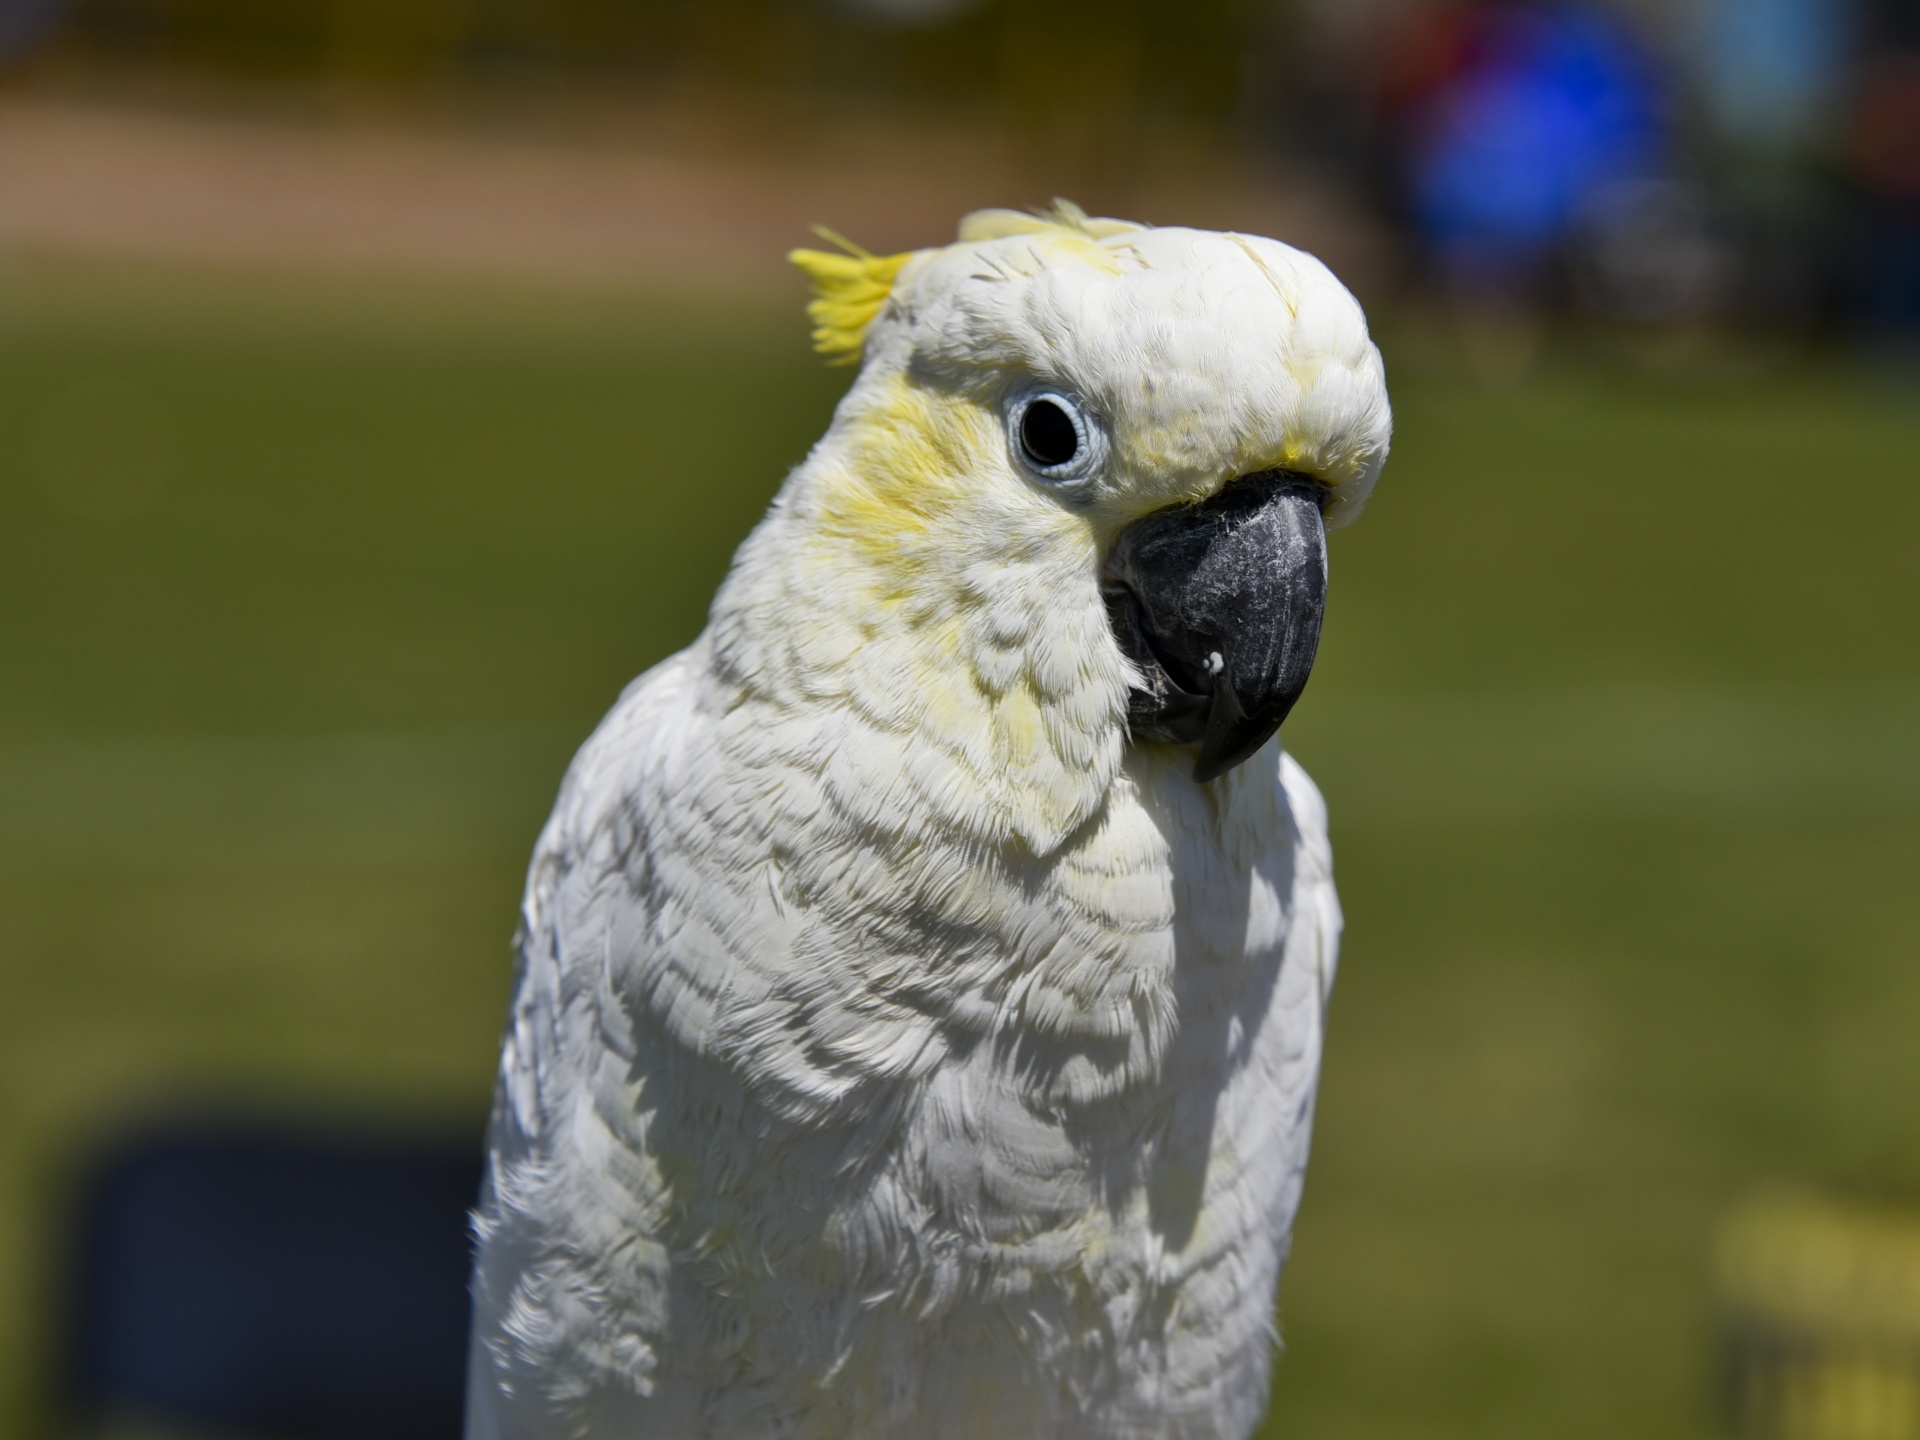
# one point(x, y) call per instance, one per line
point(848, 291)
point(1064, 215)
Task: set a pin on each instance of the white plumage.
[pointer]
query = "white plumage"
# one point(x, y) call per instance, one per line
point(897, 1050)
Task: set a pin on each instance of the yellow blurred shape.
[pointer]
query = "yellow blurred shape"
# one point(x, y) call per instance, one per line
point(1822, 1302)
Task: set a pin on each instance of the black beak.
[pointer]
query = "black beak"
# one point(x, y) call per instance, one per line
point(1219, 604)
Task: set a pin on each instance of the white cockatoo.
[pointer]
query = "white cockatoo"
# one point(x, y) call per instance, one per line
point(922, 975)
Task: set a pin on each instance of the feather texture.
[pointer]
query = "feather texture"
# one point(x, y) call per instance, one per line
point(897, 1051)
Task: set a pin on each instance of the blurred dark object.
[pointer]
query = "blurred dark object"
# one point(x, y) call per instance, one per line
point(24, 24)
point(310, 1285)
point(1822, 1310)
point(1647, 250)
point(1769, 79)
point(1883, 155)
point(1886, 132)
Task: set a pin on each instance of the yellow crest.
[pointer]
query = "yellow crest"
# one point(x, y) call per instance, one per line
point(1064, 218)
point(848, 291)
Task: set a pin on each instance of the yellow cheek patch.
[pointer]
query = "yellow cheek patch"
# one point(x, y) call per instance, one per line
point(907, 467)
point(913, 503)
point(848, 291)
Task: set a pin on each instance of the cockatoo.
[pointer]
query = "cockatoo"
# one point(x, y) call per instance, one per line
point(922, 976)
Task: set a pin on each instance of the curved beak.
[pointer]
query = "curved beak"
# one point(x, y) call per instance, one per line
point(1219, 605)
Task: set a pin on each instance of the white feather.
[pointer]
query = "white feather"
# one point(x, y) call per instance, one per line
point(896, 1051)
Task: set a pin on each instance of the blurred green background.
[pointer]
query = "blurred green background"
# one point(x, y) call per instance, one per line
point(310, 590)
point(384, 385)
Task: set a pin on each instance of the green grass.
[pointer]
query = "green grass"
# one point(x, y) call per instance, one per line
point(305, 597)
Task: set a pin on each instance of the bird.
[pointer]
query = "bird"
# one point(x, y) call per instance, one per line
point(922, 976)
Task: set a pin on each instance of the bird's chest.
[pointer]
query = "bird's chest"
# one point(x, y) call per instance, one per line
point(1113, 1175)
point(1044, 1155)
point(1122, 1251)
point(1082, 1166)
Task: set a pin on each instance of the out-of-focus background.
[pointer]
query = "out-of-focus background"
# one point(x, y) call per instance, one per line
point(383, 383)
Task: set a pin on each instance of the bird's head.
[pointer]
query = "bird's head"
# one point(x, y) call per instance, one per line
point(1073, 499)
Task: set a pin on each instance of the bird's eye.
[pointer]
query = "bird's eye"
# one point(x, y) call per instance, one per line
point(1048, 435)
point(1054, 437)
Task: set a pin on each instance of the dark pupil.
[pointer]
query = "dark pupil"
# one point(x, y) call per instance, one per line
point(1047, 435)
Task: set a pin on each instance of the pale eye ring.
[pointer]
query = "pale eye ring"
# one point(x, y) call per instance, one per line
point(1054, 437)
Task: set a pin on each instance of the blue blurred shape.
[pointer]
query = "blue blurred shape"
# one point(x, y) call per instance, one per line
point(304, 1284)
point(1549, 106)
point(1770, 68)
